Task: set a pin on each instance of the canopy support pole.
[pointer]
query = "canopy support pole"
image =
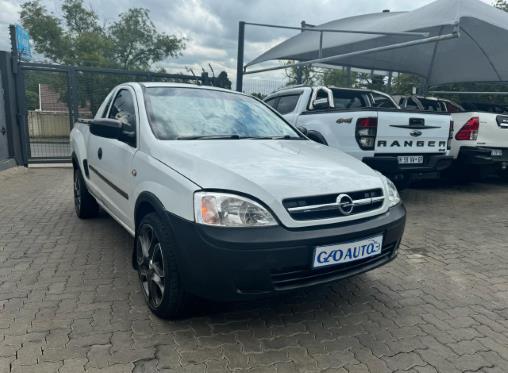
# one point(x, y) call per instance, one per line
point(239, 59)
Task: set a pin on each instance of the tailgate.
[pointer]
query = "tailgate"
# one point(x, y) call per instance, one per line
point(493, 130)
point(402, 132)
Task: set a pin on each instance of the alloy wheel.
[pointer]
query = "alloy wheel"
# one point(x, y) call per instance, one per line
point(77, 192)
point(150, 261)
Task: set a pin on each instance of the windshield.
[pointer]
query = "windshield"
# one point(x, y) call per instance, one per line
point(190, 113)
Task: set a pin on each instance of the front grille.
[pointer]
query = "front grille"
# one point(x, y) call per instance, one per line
point(326, 206)
point(305, 276)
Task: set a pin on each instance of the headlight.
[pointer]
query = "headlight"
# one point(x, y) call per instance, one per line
point(393, 194)
point(229, 210)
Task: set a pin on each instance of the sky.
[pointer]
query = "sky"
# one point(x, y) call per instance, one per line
point(211, 26)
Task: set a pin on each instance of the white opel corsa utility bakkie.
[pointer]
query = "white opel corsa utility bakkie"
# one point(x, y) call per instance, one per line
point(225, 199)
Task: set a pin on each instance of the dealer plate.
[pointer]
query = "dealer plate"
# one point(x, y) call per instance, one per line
point(347, 252)
point(497, 152)
point(410, 159)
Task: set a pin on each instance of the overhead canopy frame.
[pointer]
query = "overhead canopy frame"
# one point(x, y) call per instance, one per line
point(463, 43)
point(242, 70)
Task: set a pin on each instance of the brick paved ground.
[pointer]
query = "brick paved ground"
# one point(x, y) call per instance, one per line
point(70, 302)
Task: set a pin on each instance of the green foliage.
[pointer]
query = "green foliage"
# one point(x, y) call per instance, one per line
point(258, 95)
point(136, 42)
point(403, 84)
point(501, 4)
point(132, 42)
point(337, 78)
point(309, 74)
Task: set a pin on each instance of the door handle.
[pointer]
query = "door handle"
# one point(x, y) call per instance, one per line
point(99, 153)
point(3, 131)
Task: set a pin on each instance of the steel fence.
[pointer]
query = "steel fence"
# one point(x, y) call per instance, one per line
point(54, 96)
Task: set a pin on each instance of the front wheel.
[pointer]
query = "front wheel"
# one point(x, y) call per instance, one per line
point(157, 268)
point(85, 205)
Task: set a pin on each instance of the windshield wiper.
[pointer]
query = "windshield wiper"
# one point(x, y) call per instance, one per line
point(237, 137)
point(209, 137)
point(285, 137)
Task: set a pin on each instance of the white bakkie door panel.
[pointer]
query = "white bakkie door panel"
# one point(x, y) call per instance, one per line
point(412, 133)
point(110, 163)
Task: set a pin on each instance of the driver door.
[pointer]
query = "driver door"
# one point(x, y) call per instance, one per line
point(110, 160)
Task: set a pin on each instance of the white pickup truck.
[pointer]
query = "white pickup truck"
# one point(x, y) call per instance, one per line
point(225, 199)
point(480, 143)
point(370, 126)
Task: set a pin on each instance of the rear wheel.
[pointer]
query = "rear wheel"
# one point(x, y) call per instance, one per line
point(84, 203)
point(157, 268)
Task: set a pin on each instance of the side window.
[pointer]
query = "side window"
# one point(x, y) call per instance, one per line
point(287, 104)
point(411, 104)
point(382, 101)
point(349, 99)
point(102, 112)
point(452, 108)
point(272, 102)
point(123, 110)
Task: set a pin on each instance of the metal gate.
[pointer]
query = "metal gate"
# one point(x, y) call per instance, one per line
point(4, 146)
point(52, 97)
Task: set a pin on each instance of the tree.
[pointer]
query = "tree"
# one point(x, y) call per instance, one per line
point(132, 42)
point(136, 42)
point(501, 4)
point(338, 78)
point(403, 84)
point(309, 75)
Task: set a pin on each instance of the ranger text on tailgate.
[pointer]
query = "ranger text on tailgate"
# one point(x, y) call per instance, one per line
point(225, 199)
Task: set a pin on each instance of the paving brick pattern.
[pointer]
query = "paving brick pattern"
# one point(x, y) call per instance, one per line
point(70, 302)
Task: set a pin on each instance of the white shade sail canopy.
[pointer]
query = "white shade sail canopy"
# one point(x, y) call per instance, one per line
point(478, 54)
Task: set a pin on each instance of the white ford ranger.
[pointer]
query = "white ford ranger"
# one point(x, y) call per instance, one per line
point(370, 126)
point(481, 138)
point(225, 199)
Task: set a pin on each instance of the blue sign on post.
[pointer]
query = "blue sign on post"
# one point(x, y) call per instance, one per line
point(23, 43)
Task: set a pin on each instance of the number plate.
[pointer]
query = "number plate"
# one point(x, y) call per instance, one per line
point(497, 152)
point(410, 159)
point(347, 252)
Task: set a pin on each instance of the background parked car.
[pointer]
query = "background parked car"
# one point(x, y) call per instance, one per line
point(370, 126)
point(480, 141)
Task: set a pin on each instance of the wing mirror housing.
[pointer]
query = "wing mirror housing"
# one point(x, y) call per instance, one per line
point(108, 128)
point(302, 130)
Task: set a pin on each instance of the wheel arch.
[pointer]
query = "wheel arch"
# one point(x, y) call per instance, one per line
point(146, 203)
point(74, 160)
point(317, 137)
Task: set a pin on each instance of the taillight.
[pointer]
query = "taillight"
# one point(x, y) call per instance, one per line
point(366, 132)
point(450, 135)
point(469, 132)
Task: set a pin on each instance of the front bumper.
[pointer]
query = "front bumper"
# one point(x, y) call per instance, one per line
point(242, 263)
point(389, 164)
point(482, 156)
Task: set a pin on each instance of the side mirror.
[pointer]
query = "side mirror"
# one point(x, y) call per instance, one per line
point(302, 130)
point(108, 128)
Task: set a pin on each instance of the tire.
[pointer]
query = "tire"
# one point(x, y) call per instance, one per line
point(158, 269)
point(85, 205)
